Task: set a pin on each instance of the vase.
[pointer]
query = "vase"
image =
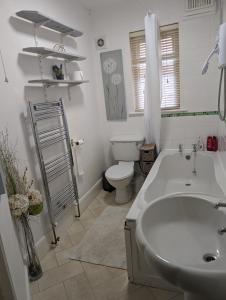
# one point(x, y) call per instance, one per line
point(34, 266)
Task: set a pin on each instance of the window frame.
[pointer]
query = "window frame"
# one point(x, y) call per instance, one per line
point(140, 33)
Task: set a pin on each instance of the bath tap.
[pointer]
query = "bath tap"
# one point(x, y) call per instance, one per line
point(195, 148)
point(220, 204)
point(180, 148)
point(222, 230)
point(194, 172)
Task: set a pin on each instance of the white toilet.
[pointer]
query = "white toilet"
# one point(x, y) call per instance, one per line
point(126, 151)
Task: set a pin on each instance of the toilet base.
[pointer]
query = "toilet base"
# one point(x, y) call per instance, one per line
point(123, 195)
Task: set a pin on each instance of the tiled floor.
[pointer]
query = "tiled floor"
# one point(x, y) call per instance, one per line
point(73, 280)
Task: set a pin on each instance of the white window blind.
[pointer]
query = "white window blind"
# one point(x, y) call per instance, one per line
point(170, 66)
point(138, 56)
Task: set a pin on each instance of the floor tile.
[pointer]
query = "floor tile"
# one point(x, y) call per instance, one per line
point(48, 279)
point(97, 275)
point(69, 270)
point(36, 297)
point(116, 272)
point(102, 194)
point(34, 287)
point(163, 294)
point(178, 297)
point(108, 289)
point(60, 274)
point(78, 287)
point(63, 257)
point(56, 292)
point(77, 237)
point(69, 279)
point(64, 243)
point(49, 261)
point(75, 227)
point(86, 215)
point(97, 203)
point(87, 223)
point(66, 221)
point(142, 293)
point(98, 210)
point(87, 219)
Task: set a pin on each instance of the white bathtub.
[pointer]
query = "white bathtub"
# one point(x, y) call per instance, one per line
point(173, 172)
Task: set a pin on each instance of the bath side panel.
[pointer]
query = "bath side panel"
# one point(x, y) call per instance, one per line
point(139, 272)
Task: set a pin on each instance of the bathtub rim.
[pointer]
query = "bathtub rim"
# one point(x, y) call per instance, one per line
point(140, 203)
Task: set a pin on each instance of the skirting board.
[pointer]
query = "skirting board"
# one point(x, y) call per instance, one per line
point(44, 244)
point(88, 197)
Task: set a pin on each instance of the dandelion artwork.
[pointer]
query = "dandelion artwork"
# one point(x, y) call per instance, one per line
point(113, 82)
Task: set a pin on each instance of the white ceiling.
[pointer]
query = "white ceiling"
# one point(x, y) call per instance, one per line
point(92, 4)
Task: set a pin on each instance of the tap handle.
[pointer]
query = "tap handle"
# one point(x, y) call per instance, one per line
point(194, 146)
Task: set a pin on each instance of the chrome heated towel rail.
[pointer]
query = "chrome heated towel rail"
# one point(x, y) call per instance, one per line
point(51, 135)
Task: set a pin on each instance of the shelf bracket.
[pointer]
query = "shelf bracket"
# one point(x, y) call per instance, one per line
point(46, 85)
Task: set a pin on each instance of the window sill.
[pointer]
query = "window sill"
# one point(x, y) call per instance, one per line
point(136, 114)
point(172, 111)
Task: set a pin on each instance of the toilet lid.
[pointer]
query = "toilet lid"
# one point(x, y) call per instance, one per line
point(118, 172)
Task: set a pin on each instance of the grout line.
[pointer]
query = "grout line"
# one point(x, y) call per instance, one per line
point(65, 289)
point(93, 293)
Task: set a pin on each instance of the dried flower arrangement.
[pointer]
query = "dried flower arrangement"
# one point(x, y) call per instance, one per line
point(23, 200)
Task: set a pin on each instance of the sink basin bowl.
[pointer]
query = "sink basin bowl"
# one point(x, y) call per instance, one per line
point(179, 236)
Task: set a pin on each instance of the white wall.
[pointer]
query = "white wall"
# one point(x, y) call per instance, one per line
point(81, 110)
point(197, 37)
point(222, 125)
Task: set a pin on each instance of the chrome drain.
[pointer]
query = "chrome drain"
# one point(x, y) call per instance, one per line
point(209, 257)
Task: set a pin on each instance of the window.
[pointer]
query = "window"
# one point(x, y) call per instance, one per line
point(169, 36)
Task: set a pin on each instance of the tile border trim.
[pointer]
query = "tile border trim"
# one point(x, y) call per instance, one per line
point(189, 114)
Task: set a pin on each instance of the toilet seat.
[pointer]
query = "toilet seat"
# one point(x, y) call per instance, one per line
point(121, 171)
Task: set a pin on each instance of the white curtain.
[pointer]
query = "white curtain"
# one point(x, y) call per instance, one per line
point(152, 110)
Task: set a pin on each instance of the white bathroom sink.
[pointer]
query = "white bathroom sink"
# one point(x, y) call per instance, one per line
point(179, 235)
